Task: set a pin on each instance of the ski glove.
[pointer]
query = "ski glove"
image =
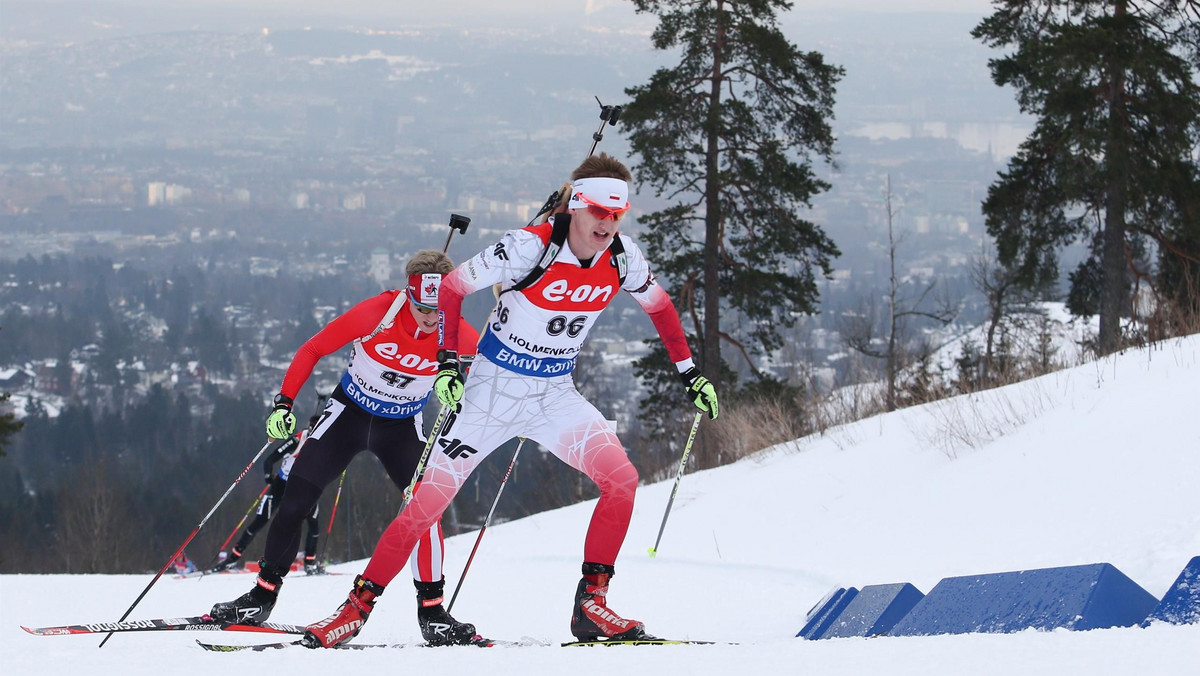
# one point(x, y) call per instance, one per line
point(281, 423)
point(448, 386)
point(703, 394)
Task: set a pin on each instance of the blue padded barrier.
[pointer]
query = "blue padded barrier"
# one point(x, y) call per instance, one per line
point(875, 610)
point(826, 611)
point(1181, 603)
point(1072, 597)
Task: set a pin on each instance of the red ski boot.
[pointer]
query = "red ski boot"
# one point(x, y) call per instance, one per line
point(345, 623)
point(591, 618)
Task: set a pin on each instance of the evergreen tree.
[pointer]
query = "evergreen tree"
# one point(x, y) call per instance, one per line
point(211, 344)
point(1111, 161)
point(116, 344)
point(729, 136)
point(9, 425)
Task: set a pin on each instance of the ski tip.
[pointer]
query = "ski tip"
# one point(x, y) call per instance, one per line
point(256, 647)
point(49, 631)
point(221, 648)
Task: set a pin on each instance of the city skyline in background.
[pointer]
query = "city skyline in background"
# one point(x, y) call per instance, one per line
point(77, 20)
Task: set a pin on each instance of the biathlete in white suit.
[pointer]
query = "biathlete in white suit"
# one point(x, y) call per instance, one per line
point(376, 408)
point(521, 385)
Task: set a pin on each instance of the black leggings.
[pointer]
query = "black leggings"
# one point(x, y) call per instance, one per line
point(266, 509)
point(343, 431)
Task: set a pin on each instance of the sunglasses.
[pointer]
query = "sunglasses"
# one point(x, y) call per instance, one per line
point(421, 307)
point(604, 214)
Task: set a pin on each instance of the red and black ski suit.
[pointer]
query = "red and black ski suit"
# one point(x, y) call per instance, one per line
point(376, 408)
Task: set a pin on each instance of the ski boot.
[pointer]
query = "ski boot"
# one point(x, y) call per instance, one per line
point(591, 618)
point(312, 567)
point(437, 626)
point(253, 607)
point(345, 623)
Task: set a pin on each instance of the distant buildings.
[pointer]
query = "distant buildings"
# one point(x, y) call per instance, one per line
point(156, 193)
point(171, 194)
point(380, 266)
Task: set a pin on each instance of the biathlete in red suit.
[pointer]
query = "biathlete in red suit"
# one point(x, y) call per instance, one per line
point(520, 385)
point(377, 408)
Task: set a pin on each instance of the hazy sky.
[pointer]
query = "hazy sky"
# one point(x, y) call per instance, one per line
point(449, 7)
point(36, 19)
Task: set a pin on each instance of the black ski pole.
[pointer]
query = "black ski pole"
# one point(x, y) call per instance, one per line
point(486, 522)
point(460, 224)
point(457, 224)
point(437, 430)
point(687, 449)
point(192, 535)
point(608, 115)
point(443, 415)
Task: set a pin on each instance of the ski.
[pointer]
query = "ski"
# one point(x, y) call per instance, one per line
point(482, 643)
point(260, 647)
point(197, 574)
point(257, 647)
point(638, 641)
point(196, 623)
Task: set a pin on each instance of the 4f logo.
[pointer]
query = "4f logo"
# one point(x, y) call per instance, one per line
point(499, 251)
point(455, 448)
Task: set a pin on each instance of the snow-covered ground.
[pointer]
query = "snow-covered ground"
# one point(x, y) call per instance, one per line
point(1064, 336)
point(1098, 463)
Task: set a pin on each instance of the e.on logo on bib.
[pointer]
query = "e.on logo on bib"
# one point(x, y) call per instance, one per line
point(582, 297)
point(390, 352)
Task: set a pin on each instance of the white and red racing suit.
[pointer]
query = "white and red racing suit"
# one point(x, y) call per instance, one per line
point(521, 385)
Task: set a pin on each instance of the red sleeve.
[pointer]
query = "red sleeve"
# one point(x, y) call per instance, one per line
point(450, 298)
point(468, 338)
point(356, 322)
point(666, 321)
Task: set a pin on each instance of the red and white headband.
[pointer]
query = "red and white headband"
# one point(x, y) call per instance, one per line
point(423, 289)
point(610, 194)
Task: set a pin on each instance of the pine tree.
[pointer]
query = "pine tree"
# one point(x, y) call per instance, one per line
point(1111, 161)
point(729, 136)
point(9, 425)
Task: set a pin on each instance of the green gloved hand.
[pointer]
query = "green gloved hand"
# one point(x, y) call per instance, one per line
point(448, 385)
point(281, 423)
point(703, 394)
